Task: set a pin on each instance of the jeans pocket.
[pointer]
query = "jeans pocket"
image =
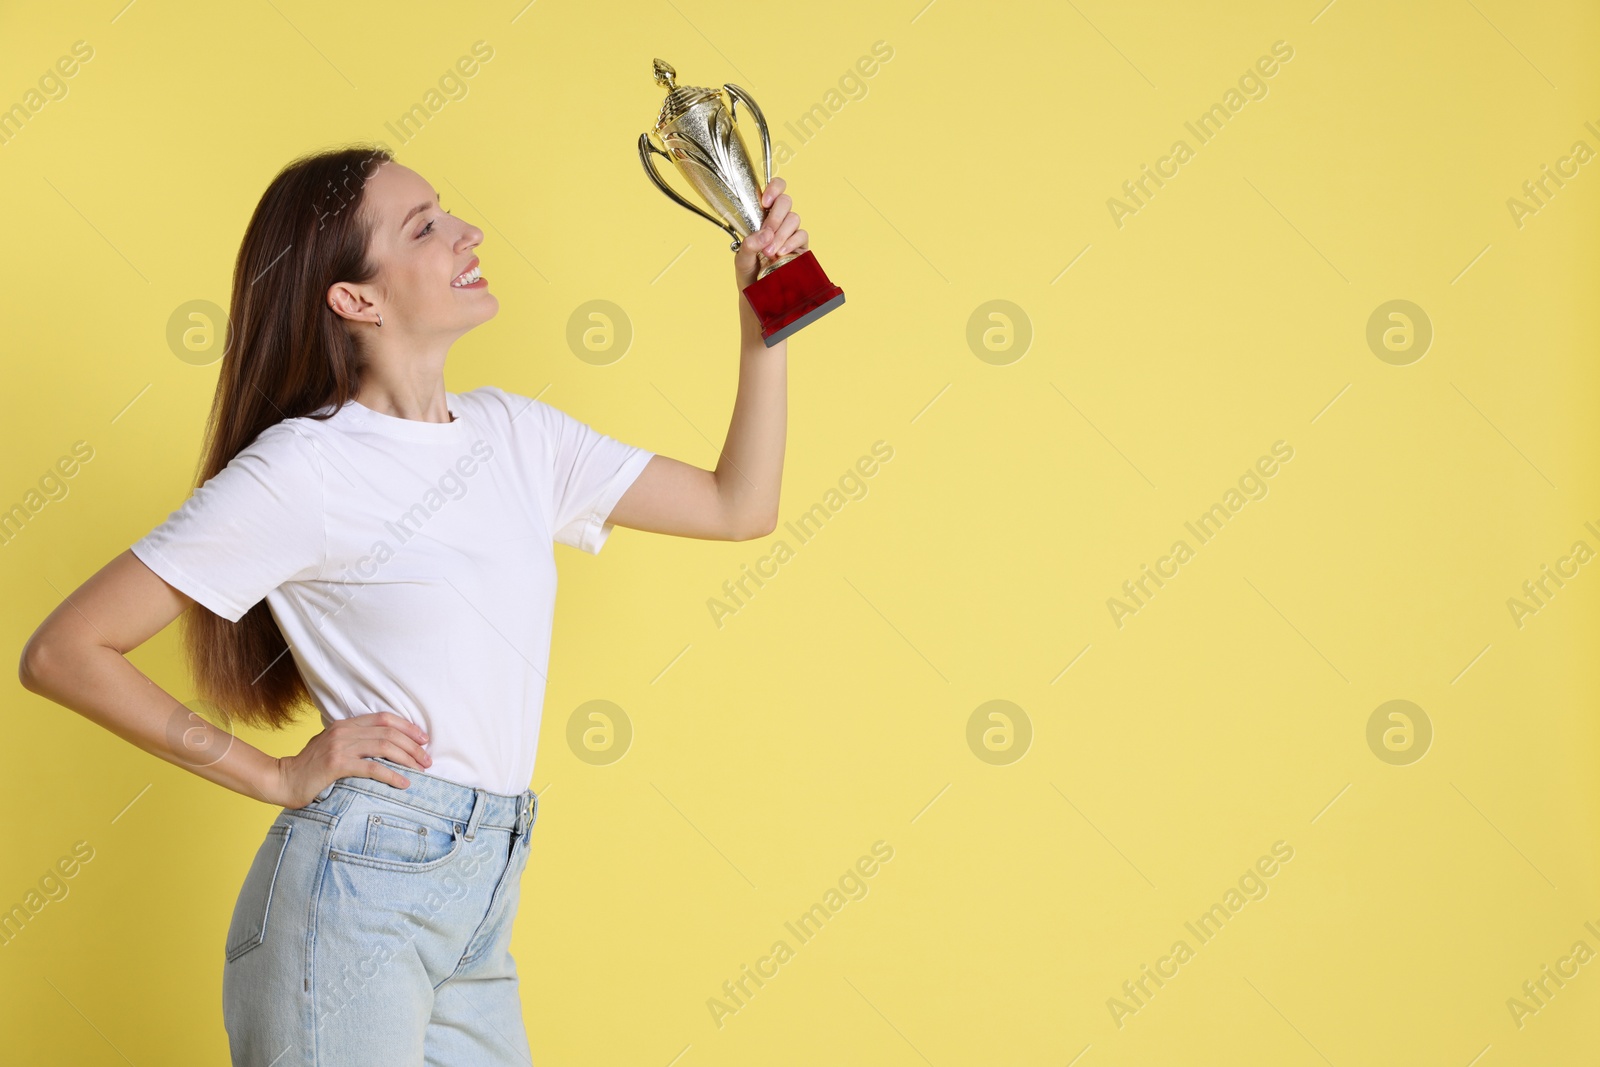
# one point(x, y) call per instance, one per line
point(400, 840)
point(379, 833)
point(248, 926)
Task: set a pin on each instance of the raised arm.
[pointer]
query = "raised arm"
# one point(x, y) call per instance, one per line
point(739, 500)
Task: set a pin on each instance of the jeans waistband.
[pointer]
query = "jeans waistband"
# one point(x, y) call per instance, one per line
point(451, 800)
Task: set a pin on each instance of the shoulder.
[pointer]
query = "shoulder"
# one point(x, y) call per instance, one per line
point(513, 411)
point(292, 433)
point(494, 397)
point(290, 447)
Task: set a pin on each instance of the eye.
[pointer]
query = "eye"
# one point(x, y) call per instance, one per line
point(429, 227)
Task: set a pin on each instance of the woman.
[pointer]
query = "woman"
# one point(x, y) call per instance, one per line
point(369, 541)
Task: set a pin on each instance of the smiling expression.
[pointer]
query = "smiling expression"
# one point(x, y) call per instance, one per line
point(423, 252)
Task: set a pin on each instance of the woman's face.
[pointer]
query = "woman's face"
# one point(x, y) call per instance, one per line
point(420, 249)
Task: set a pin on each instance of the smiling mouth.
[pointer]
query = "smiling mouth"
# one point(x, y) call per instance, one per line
point(469, 279)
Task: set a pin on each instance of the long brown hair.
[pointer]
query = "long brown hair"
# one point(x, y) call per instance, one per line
point(286, 354)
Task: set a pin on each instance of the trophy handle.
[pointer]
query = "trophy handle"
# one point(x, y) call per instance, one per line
point(738, 95)
point(646, 146)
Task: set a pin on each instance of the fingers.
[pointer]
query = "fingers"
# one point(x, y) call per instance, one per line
point(797, 242)
point(402, 751)
point(773, 233)
point(770, 193)
point(413, 752)
point(762, 240)
point(785, 230)
point(388, 746)
point(390, 743)
point(389, 718)
point(780, 231)
point(378, 771)
point(777, 216)
point(385, 734)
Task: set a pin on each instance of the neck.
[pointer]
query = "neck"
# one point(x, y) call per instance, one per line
point(408, 387)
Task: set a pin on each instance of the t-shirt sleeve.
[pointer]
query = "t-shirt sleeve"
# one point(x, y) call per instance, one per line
point(252, 526)
point(585, 471)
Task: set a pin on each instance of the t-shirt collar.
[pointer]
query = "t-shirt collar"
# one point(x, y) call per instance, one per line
point(359, 414)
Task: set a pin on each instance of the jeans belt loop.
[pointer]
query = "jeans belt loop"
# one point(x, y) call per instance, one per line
point(479, 800)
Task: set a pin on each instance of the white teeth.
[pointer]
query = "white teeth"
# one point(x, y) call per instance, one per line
point(467, 278)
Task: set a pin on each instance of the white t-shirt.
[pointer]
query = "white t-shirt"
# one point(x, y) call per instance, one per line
point(410, 565)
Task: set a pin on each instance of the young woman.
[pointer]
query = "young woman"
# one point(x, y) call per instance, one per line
point(370, 542)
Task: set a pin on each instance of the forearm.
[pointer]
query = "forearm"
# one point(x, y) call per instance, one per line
point(750, 470)
point(99, 683)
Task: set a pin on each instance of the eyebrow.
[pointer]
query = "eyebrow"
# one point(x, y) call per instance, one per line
point(419, 207)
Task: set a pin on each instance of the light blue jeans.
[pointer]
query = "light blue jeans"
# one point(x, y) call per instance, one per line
point(374, 928)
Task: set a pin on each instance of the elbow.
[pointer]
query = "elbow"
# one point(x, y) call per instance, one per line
point(761, 527)
point(43, 660)
point(31, 666)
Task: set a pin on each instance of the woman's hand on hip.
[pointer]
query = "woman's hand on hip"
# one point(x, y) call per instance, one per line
point(340, 751)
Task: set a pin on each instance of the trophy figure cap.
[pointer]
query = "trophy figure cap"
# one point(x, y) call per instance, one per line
point(680, 98)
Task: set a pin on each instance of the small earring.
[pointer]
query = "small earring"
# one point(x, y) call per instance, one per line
point(380, 318)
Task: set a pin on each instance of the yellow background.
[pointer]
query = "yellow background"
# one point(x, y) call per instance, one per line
point(832, 711)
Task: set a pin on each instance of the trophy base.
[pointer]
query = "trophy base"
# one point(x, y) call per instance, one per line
point(792, 297)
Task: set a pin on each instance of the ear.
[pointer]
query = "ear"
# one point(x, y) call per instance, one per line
point(350, 302)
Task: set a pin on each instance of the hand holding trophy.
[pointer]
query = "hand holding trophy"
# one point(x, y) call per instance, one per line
point(780, 235)
point(699, 134)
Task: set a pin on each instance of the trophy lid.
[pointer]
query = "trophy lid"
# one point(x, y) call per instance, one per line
point(680, 98)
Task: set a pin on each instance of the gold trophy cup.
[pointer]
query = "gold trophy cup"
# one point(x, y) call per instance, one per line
point(699, 133)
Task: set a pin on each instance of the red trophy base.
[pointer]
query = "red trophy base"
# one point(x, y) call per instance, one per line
point(792, 297)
